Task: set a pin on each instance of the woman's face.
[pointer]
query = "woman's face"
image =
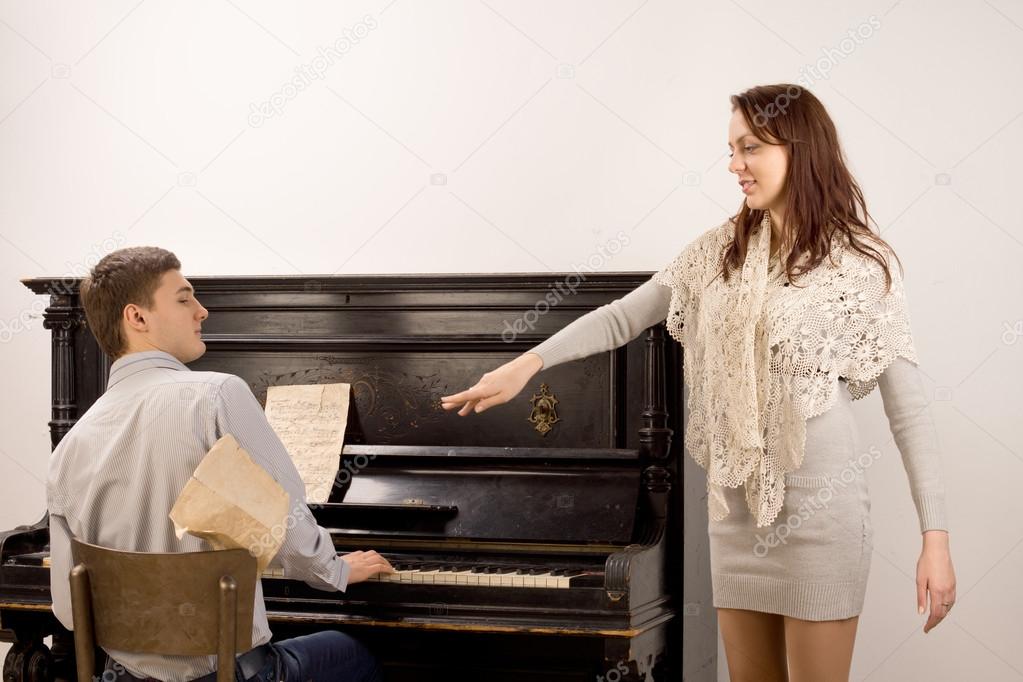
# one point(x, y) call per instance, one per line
point(755, 160)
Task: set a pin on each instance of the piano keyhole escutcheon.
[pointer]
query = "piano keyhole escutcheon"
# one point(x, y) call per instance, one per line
point(544, 415)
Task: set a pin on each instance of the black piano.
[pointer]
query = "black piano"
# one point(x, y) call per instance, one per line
point(540, 540)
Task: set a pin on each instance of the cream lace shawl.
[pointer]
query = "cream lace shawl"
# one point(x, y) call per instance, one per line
point(762, 357)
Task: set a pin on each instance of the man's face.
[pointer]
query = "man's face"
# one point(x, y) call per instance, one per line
point(172, 324)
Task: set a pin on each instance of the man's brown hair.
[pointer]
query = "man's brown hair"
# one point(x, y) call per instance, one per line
point(130, 275)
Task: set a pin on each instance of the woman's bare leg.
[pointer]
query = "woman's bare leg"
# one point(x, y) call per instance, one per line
point(820, 651)
point(754, 645)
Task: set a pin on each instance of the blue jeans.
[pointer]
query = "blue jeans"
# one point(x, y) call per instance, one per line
point(327, 656)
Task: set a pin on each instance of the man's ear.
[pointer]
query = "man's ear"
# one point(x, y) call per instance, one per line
point(135, 318)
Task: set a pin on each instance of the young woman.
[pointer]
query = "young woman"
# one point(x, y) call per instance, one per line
point(786, 312)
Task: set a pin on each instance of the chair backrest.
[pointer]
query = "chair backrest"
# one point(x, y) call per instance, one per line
point(185, 604)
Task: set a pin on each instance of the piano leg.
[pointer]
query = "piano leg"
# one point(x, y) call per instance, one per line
point(28, 662)
point(640, 659)
point(29, 659)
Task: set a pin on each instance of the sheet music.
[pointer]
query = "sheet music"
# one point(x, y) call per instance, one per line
point(310, 421)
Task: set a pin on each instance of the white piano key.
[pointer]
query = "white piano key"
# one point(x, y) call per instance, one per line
point(445, 578)
point(270, 572)
point(425, 577)
point(540, 579)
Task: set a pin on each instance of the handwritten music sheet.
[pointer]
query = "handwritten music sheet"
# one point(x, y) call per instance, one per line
point(310, 421)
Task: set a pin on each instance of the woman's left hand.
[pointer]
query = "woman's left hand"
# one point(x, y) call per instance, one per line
point(935, 575)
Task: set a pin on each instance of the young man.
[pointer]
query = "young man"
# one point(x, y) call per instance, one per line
point(116, 474)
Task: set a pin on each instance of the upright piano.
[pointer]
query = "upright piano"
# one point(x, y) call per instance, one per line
point(539, 540)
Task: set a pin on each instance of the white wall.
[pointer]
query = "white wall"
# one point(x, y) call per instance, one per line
point(553, 125)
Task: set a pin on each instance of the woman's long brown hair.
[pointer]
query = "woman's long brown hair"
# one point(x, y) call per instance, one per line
point(822, 195)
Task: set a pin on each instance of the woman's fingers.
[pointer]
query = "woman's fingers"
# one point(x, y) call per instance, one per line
point(938, 611)
point(495, 399)
point(449, 402)
point(467, 399)
point(494, 388)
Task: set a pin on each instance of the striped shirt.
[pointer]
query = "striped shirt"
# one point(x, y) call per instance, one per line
point(116, 474)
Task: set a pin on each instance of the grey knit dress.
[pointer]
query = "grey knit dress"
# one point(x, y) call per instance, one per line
point(812, 563)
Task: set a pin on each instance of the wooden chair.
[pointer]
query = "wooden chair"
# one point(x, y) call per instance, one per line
point(182, 604)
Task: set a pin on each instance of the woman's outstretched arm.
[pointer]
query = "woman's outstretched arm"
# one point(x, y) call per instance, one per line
point(608, 327)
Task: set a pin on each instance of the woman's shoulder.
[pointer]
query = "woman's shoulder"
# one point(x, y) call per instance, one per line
point(698, 255)
point(715, 238)
point(868, 254)
point(724, 232)
point(873, 270)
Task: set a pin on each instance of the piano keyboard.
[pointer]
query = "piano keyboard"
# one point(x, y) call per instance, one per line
point(479, 576)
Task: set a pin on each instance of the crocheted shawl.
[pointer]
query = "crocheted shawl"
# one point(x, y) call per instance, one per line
point(763, 356)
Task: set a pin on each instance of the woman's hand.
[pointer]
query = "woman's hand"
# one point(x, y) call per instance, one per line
point(934, 574)
point(496, 387)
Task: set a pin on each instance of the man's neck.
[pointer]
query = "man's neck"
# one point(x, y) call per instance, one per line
point(135, 351)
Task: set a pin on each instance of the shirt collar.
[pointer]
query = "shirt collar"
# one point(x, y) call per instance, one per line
point(132, 363)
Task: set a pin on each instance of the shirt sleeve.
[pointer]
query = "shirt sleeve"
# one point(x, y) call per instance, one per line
point(60, 570)
point(608, 327)
point(907, 409)
point(308, 552)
